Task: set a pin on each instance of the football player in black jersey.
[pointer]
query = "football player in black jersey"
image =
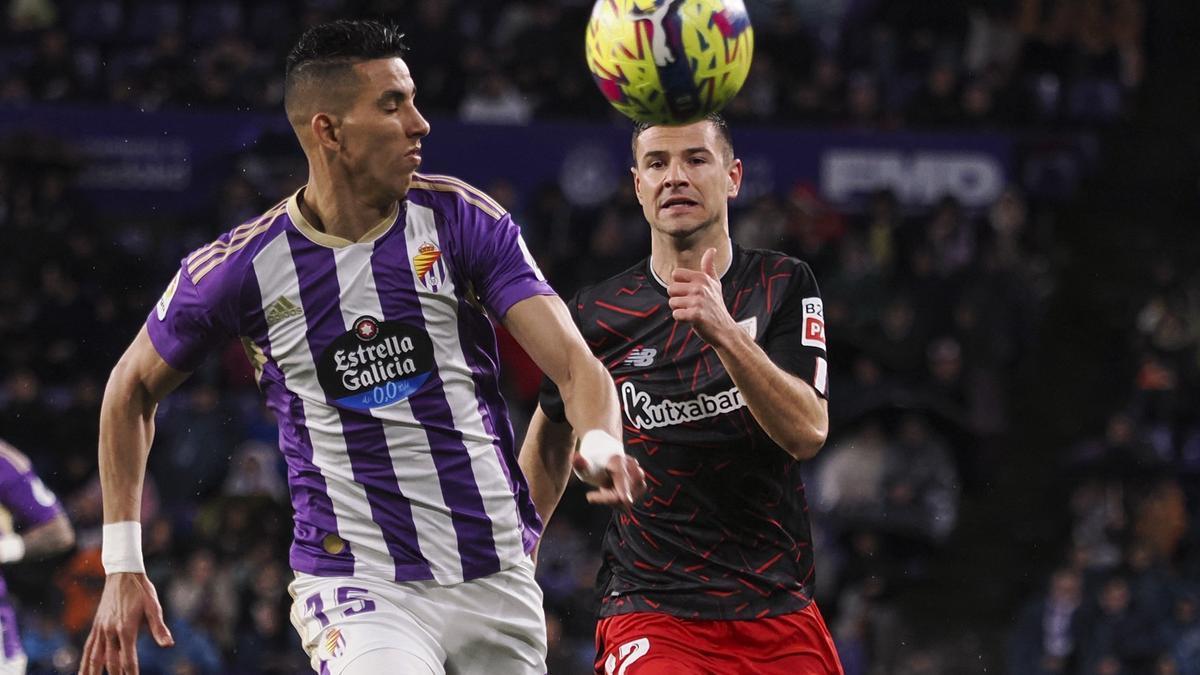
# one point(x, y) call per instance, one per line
point(718, 354)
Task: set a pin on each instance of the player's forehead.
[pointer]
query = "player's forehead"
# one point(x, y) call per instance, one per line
point(388, 74)
point(678, 138)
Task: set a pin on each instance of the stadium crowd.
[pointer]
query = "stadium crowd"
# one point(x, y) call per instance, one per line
point(932, 315)
point(868, 63)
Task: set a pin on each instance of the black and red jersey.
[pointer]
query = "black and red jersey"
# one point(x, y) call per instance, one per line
point(722, 532)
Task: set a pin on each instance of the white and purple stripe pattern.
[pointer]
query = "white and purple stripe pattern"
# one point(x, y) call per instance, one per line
point(417, 483)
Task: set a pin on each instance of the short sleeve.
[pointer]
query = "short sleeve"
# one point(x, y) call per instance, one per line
point(191, 319)
point(550, 398)
point(22, 492)
point(795, 339)
point(500, 264)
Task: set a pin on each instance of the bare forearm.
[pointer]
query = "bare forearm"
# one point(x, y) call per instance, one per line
point(789, 410)
point(126, 431)
point(589, 397)
point(49, 538)
point(546, 462)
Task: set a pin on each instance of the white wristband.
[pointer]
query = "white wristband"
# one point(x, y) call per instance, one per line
point(597, 447)
point(121, 550)
point(12, 548)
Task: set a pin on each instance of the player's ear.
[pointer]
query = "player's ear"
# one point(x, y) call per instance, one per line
point(326, 130)
point(637, 183)
point(734, 184)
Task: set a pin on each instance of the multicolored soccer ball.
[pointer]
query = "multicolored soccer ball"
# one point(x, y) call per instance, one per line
point(669, 61)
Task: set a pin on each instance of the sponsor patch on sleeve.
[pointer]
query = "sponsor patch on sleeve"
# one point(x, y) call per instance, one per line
point(165, 301)
point(814, 323)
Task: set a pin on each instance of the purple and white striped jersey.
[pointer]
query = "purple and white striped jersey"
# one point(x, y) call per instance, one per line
point(379, 360)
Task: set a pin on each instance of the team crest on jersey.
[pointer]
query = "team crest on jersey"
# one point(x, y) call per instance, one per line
point(165, 301)
point(335, 643)
point(375, 364)
point(814, 323)
point(429, 267)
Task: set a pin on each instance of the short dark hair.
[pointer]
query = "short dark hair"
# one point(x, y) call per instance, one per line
point(713, 118)
point(330, 49)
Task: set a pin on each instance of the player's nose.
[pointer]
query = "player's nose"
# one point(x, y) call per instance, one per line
point(417, 126)
point(675, 175)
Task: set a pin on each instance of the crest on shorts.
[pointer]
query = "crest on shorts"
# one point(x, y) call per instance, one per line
point(335, 642)
point(429, 267)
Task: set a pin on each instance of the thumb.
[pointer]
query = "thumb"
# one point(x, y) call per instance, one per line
point(708, 263)
point(158, 627)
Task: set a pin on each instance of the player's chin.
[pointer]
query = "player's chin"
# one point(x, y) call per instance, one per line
point(682, 226)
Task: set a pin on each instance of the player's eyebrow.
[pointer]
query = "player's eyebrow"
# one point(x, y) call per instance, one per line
point(397, 95)
point(658, 154)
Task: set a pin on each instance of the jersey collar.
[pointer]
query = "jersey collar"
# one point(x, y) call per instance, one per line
point(735, 254)
point(331, 241)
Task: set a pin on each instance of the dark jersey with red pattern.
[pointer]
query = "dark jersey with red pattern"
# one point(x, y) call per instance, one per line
point(722, 532)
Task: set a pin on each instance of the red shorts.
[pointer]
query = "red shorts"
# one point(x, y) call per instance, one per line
point(645, 643)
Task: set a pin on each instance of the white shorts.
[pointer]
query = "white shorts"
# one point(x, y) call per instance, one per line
point(492, 625)
point(15, 665)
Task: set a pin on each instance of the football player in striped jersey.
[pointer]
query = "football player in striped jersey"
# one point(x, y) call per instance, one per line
point(365, 301)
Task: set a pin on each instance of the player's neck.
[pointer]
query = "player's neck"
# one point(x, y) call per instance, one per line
point(340, 212)
point(666, 258)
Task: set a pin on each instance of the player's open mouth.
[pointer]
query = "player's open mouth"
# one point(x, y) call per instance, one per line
point(678, 204)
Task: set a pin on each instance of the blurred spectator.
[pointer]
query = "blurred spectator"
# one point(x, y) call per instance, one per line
point(1045, 638)
point(494, 100)
point(204, 598)
point(47, 644)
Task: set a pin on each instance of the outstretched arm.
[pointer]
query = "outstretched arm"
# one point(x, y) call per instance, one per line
point(543, 327)
point(138, 382)
point(546, 462)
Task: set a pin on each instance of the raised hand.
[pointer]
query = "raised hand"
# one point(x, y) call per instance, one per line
point(695, 298)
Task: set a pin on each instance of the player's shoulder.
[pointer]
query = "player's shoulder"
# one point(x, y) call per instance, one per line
point(772, 260)
point(626, 283)
point(13, 460)
point(449, 196)
point(234, 250)
point(769, 264)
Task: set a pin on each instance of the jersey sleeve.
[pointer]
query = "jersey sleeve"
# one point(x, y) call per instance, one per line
point(22, 492)
point(192, 318)
point(795, 339)
point(550, 398)
point(501, 267)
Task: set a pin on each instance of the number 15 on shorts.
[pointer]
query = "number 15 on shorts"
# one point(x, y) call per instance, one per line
point(349, 601)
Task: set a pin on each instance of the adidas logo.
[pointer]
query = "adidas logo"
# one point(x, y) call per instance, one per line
point(281, 309)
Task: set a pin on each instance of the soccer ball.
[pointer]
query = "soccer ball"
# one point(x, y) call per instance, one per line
point(669, 61)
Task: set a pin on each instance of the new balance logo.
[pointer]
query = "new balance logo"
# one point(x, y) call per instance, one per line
point(281, 309)
point(640, 357)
